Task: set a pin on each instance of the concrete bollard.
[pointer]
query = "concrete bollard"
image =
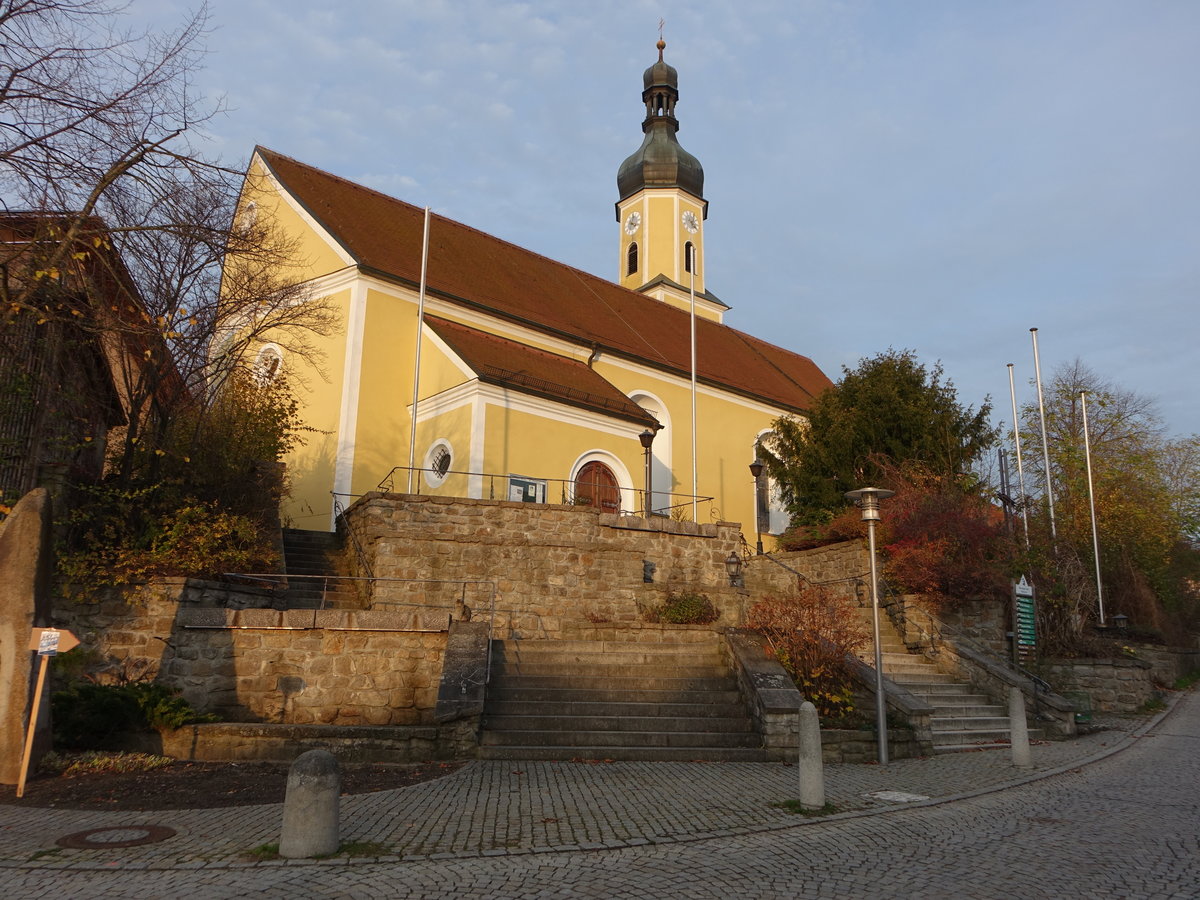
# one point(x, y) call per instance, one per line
point(812, 771)
point(310, 806)
point(1018, 729)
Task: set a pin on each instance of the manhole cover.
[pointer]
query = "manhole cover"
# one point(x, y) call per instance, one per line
point(116, 837)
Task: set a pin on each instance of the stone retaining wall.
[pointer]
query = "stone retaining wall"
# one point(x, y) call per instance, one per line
point(230, 656)
point(552, 565)
point(124, 632)
point(1168, 663)
point(1114, 685)
point(225, 742)
point(301, 676)
point(844, 568)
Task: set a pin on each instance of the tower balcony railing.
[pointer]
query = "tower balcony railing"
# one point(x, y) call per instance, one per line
point(611, 498)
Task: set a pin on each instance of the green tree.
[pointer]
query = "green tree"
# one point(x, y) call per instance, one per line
point(889, 410)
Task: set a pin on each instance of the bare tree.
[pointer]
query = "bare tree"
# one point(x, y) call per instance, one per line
point(124, 226)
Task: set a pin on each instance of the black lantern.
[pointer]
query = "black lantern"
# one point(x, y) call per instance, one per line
point(733, 568)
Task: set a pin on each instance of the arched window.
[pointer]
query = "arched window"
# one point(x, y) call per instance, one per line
point(596, 485)
point(266, 365)
point(689, 252)
point(631, 260)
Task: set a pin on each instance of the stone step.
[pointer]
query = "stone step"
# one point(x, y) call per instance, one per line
point(970, 736)
point(907, 668)
point(604, 647)
point(943, 687)
point(969, 723)
point(549, 721)
point(555, 693)
point(597, 740)
point(626, 684)
point(594, 669)
point(731, 708)
point(631, 754)
point(633, 657)
point(931, 676)
point(952, 710)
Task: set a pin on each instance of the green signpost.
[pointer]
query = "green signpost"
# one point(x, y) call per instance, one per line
point(1025, 626)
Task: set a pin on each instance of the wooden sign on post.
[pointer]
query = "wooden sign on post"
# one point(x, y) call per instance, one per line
point(47, 642)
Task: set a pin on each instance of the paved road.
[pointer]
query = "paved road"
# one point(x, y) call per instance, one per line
point(1125, 826)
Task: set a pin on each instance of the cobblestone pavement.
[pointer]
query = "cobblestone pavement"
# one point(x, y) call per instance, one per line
point(1088, 821)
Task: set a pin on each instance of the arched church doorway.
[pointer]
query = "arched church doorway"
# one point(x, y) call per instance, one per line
point(596, 485)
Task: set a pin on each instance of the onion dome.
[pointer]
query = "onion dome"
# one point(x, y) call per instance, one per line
point(660, 161)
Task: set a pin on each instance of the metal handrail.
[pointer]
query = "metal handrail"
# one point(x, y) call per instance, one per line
point(566, 489)
point(1040, 685)
point(339, 514)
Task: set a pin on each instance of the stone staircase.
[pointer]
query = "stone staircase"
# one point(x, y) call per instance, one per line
point(313, 554)
point(555, 699)
point(962, 718)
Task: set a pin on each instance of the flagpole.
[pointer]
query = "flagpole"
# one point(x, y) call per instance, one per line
point(1087, 455)
point(695, 480)
point(412, 435)
point(1012, 392)
point(1037, 373)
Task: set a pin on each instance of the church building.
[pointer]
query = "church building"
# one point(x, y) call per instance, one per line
point(532, 381)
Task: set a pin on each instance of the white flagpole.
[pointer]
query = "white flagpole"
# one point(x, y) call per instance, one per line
point(695, 480)
point(1012, 392)
point(1037, 374)
point(412, 435)
point(1087, 455)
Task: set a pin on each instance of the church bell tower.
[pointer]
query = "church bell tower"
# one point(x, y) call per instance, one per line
point(661, 210)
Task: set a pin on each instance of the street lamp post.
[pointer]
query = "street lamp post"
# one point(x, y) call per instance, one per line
point(756, 469)
point(867, 499)
point(647, 438)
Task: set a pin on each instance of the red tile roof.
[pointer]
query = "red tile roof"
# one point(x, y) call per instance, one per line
point(532, 371)
point(475, 269)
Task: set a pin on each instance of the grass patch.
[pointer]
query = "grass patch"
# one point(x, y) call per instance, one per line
point(1183, 682)
point(1153, 705)
point(362, 848)
point(264, 852)
point(352, 849)
point(73, 765)
point(794, 807)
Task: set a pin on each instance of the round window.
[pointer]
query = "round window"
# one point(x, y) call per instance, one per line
point(438, 461)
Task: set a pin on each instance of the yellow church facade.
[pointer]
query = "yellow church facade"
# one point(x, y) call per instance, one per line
point(533, 380)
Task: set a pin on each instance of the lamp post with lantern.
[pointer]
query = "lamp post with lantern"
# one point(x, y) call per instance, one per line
point(756, 469)
point(647, 438)
point(867, 499)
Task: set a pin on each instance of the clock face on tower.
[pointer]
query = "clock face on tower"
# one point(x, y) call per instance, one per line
point(690, 222)
point(633, 222)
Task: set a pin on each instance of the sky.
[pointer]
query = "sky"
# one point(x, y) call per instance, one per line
point(924, 175)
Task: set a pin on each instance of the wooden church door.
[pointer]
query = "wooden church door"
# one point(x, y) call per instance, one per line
point(596, 485)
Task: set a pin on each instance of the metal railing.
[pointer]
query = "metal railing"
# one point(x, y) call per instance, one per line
point(343, 524)
point(531, 489)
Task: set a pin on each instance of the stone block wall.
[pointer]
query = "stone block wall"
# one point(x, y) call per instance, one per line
point(124, 632)
point(1114, 685)
point(230, 655)
point(983, 623)
point(336, 675)
point(554, 566)
point(844, 568)
point(1168, 663)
